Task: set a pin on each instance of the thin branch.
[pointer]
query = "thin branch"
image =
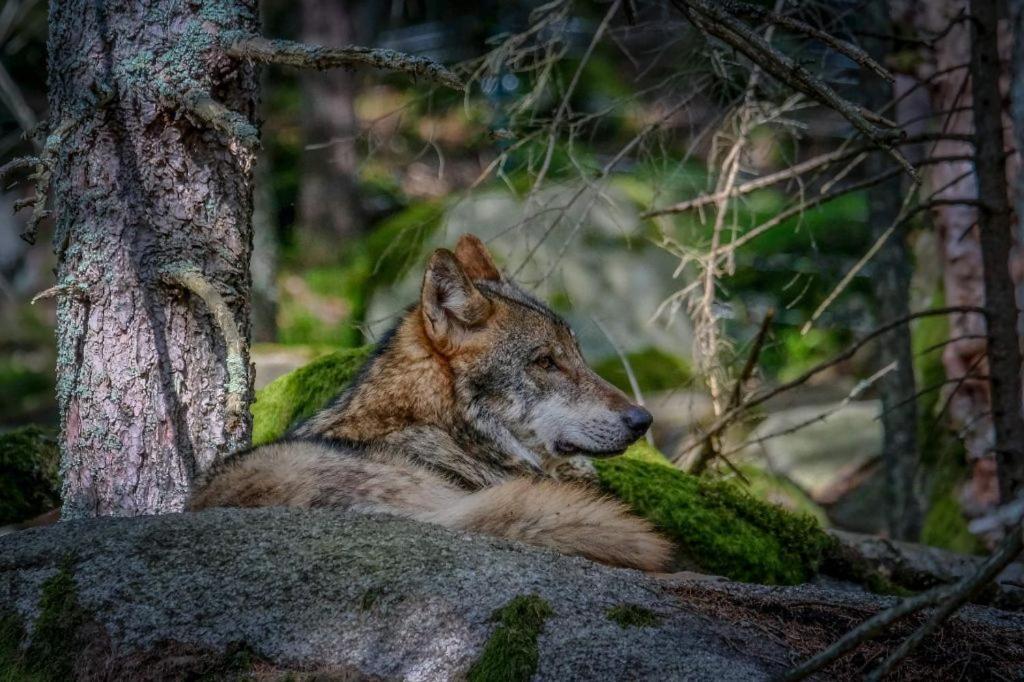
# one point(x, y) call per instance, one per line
point(191, 279)
point(843, 47)
point(854, 393)
point(18, 164)
point(859, 265)
point(710, 17)
point(262, 50)
point(796, 170)
point(708, 450)
point(752, 357)
point(44, 167)
point(634, 385)
point(949, 598)
point(233, 124)
point(759, 398)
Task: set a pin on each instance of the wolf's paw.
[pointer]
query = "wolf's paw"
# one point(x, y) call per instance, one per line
point(575, 469)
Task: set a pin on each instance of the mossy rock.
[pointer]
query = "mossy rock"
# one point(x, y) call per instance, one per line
point(633, 616)
point(719, 527)
point(295, 396)
point(47, 656)
point(29, 473)
point(510, 654)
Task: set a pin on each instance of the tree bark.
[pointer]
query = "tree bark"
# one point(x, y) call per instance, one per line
point(153, 201)
point(996, 224)
point(264, 257)
point(892, 300)
point(963, 263)
point(329, 210)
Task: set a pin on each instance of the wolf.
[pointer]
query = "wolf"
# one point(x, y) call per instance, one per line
point(476, 393)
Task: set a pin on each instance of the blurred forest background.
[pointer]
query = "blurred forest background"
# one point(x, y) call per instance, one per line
point(581, 122)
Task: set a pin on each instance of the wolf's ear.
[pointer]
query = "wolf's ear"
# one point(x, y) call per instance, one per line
point(449, 301)
point(475, 259)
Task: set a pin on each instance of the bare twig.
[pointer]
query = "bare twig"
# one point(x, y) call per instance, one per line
point(233, 124)
point(73, 289)
point(48, 158)
point(752, 357)
point(716, 21)
point(634, 385)
point(192, 280)
point(949, 598)
point(759, 398)
point(843, 47)
point(854, 393)
point(795, 171)
point(304, 56)
point(709, 450)
point(859, 265)
point(17, 164)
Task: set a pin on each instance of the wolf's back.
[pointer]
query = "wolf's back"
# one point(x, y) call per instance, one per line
point(566, 518)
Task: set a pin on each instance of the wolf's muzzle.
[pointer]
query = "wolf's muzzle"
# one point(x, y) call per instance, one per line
point(637, 420)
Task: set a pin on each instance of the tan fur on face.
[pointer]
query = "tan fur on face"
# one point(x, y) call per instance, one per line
point(413, 385)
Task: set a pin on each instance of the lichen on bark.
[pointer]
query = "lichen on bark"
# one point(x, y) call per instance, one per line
point(139, 181)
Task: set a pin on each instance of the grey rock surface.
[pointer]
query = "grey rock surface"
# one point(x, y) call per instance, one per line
point(383, 597)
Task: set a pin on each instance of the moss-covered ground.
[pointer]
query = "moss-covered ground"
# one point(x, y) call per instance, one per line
point(510, 654)
point(633, 616)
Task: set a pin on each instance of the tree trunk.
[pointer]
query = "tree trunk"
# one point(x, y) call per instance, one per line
point(996, 224)
point(963, 263)
point(264, 257)
point(892, 301)
point(329, 211)
point(151, 206)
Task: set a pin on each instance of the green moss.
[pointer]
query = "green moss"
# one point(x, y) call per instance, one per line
point(298, 394)
point(511, 651)
point(57, 632)
point(631, 615)
point(23, 390)
point(718, 526)
point(29, 478)
point(56, 638)
point(945, 526)
point(369, 598)
point(13, 667)
point(654, 369)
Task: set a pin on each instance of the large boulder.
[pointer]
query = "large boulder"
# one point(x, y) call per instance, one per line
point(232, 594)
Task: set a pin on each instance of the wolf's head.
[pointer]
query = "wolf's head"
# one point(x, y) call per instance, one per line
point(516, 368)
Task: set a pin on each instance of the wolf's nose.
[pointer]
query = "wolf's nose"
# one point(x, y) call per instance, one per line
point(637, 419)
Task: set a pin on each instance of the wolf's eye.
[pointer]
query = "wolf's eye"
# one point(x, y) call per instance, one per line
point(546, 363)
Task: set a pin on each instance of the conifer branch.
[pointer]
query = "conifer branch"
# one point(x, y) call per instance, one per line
point(305, 56)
